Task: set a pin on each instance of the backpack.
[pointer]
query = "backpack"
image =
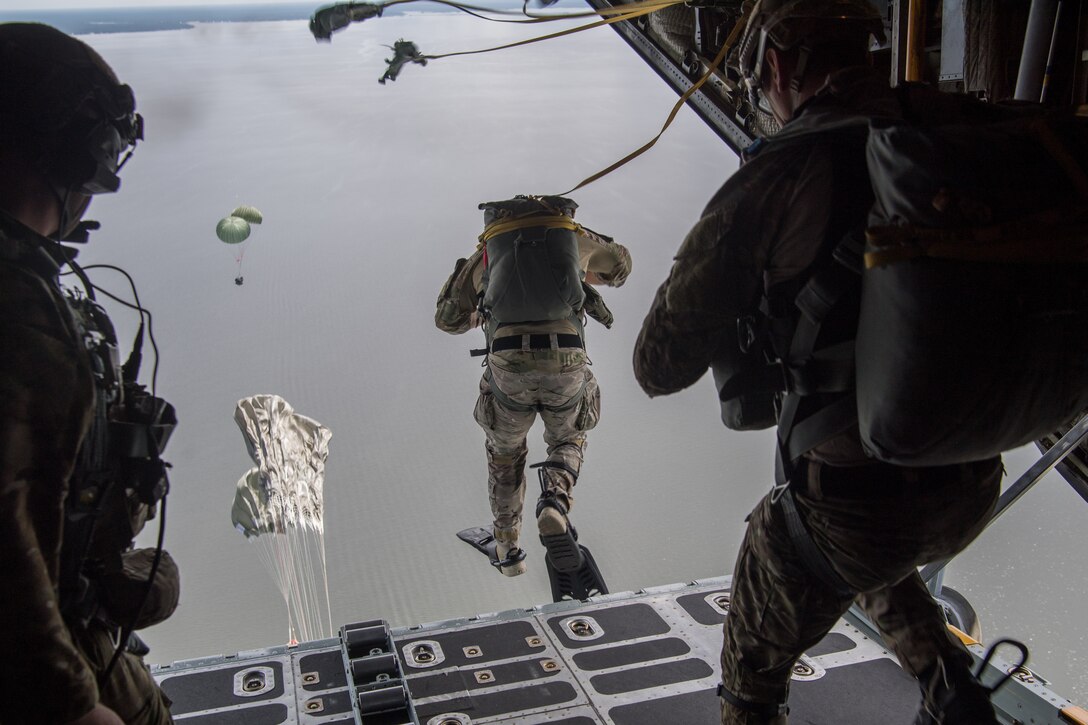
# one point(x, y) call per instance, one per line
point(973, 333)
point(972, 307)
point(532, 270)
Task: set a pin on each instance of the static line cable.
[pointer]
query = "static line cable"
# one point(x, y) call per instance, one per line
point(726, 46)
point(645, 8)
point(476, 11)
point(333, 18)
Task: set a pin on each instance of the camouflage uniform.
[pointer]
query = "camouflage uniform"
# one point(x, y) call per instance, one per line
point(874, 522)
point(560, 386)
point(46, 403)
point(520, 383)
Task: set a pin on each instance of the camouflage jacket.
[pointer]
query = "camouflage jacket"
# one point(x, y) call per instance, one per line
point(46, 397)
point(604, 262)
point(767, 224)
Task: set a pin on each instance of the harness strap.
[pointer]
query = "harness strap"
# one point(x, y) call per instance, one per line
point(830, 370)
point(510, 224)
point(556, 464)
point(763, 709)
point(825, 423)
point(537, 341)
point(814, 559)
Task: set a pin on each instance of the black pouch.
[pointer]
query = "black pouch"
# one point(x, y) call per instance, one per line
point(752, 409)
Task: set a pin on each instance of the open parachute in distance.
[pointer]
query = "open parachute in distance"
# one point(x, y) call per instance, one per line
point(235, 230)
point(279, 505)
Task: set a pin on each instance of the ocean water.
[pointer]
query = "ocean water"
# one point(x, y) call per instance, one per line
point(369, 194)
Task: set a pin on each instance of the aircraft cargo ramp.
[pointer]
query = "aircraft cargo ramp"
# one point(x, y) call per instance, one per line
point(643, 658)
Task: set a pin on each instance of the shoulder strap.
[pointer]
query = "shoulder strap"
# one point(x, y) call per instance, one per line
point(808, 371)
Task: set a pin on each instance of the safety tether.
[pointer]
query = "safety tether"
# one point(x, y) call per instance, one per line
point(726, 46)
point(634, 10)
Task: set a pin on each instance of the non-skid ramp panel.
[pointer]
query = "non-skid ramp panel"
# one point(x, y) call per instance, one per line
point(629, 659)
point(626, 659)
point(304, 685)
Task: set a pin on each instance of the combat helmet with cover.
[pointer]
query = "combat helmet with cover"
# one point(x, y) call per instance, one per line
point(802, 24)
point(63, 107)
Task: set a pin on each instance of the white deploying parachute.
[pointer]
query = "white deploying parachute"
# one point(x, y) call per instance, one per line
point(278, 505)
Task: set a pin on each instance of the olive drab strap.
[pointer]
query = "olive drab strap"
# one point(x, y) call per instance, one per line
point(712, 68)
point(801, 369)
point(808, 371)
point(546, 221)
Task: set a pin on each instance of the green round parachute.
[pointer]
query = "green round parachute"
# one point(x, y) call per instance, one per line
point(250, 213)
point(232, 230)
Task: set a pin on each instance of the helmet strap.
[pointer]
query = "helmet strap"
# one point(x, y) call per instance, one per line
point(798, 78)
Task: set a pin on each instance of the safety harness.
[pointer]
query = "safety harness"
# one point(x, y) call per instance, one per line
point(813, 379)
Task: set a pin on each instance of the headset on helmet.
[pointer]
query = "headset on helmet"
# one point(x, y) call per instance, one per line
point(59, 95)
point(800, 23)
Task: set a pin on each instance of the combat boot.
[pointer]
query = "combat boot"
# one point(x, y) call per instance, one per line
point(951, 695)
point(557, 534)
point(511, 559)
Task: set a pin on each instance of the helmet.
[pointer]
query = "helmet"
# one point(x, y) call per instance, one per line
point(809, 23)
point(64, 104)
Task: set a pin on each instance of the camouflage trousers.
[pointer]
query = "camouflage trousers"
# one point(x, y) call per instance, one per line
point(517, 386)
point(876, 524)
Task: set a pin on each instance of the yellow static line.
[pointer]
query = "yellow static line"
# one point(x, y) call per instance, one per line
point(964, 637)
point(1075, 715)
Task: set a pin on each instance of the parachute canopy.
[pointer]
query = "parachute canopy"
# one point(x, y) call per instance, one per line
point(279, 504)
point(232, 230)
point(286, 489)
point(250, 213)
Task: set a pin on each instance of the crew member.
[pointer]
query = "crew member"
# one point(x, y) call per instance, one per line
point(72, 581)
point(761, 236)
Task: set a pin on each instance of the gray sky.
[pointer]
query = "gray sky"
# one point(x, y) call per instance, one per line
point(91, 4)
point(369, 194)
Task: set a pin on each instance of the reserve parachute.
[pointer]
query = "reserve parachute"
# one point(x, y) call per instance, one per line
point(279, 504)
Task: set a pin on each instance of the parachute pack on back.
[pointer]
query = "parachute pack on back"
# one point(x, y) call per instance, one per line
point(972, 337)
point(532, 271)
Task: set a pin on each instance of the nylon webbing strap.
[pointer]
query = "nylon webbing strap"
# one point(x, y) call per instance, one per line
point(825, 423)
point(763, 709)
point(547, 221)
point(560, 465)
point(726, 46)
point(831, 370)
point(814, 559)
point(626, 14)
point(828, 371)
point(1024, 241)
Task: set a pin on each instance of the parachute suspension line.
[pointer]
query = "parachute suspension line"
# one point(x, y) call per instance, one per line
point(240, 256)
point(642, 8)
point(280, 503)
point(726, 46)
point(288, 556)
point(476, 10)
point(320, 621)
